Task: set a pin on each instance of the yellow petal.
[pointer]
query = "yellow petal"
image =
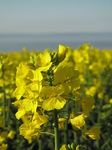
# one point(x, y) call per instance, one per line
point(93, 133)
point(53, 103)
point(78, 121)
point(87, 103)
point(63, 147)
point(19, 91)
point(20, 113)
point(11, 134)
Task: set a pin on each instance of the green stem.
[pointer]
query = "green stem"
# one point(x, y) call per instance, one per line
point(56, 132)
point(66, 125)
point(17, 131)
point(65, 133)
point(47, 133)
point(8, 112)
point(40, 144)
point(75, 138)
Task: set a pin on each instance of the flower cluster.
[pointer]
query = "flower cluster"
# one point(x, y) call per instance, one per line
point(47, 84)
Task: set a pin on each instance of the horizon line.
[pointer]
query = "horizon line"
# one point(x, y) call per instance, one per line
point(50, 33)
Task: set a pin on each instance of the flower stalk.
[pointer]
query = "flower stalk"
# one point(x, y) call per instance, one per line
point(56, 131)
point(40, 144)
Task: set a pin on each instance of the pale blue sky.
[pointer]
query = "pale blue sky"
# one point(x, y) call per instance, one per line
point(47, 16)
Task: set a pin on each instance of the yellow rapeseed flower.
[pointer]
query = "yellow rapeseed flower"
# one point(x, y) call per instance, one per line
point(91, 91)
point(78, 147)
point(87, 103)
point(61, 122)
point(3, 136)
point(66, 75)
point(63, 147)
point(3, 147)
point(52, 98)
point(43, 61)
point(62, 50)
point(100, 95)
point(11, 134)
point(29, 130)
point(110, 100)
point(40, 119)
point(77, 121)
point(93, 133)
point(20, 113)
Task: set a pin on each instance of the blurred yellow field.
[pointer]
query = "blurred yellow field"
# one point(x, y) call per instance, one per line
point(59, 99)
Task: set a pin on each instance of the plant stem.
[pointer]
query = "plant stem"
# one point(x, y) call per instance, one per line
point(66, 126)
point(56, 132)
point(75, 138)
point(40, 144)
point(8, 112)
point(65, 133)
point(47, 133)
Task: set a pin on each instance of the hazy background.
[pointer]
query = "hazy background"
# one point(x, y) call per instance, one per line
point(58, 21)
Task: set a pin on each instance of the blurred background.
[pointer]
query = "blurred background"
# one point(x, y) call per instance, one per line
point(46, 24)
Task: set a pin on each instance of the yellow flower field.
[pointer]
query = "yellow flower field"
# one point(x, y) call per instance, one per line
point(59, 99)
